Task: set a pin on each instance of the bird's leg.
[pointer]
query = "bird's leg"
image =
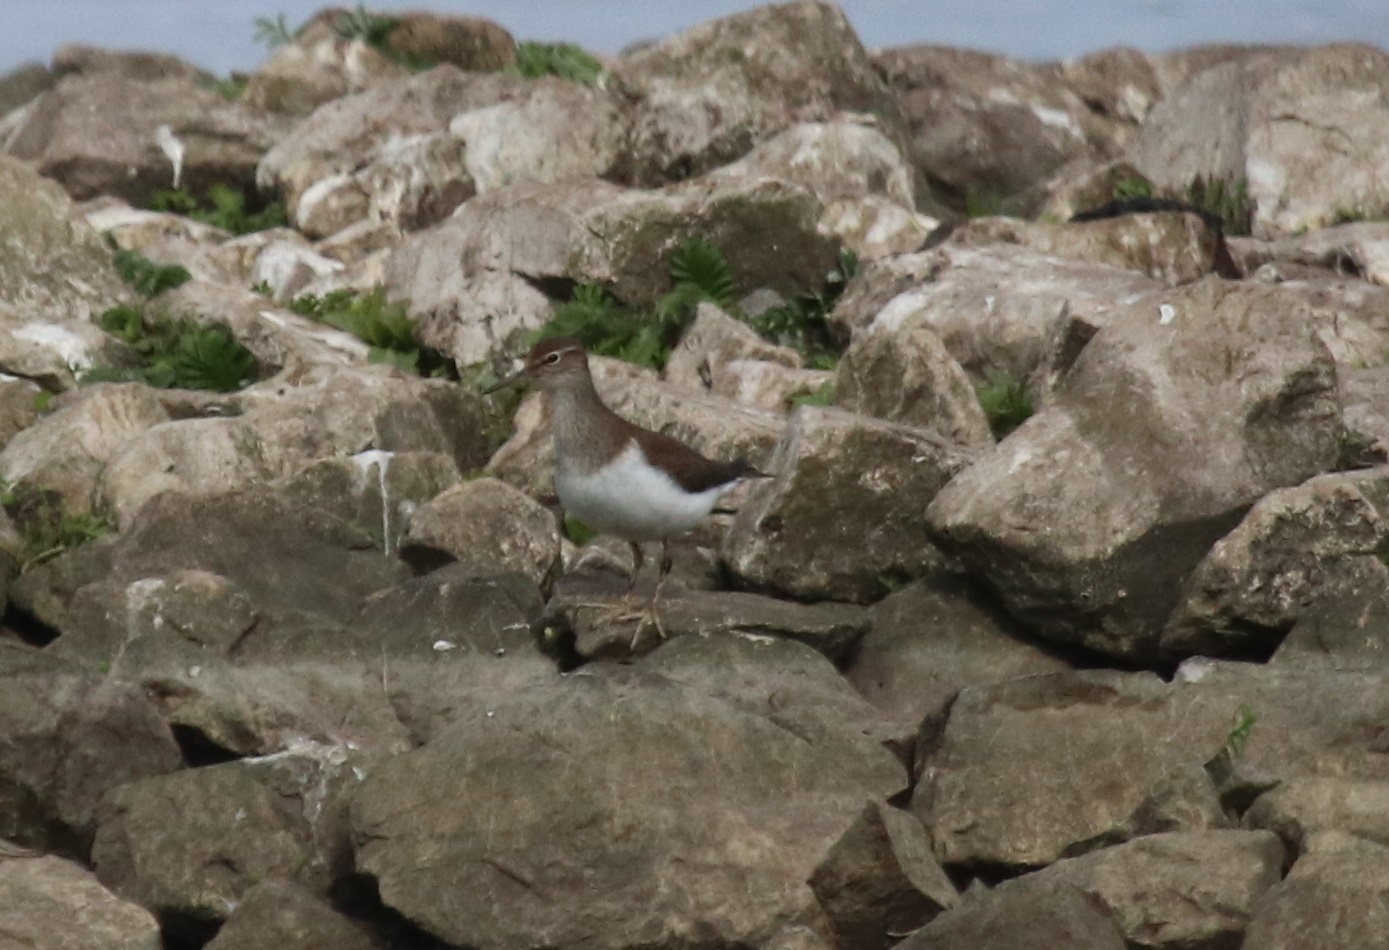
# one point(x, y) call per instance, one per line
point(637, 559)
point(652, 614)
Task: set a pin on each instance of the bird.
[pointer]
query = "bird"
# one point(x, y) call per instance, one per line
point(614, 476)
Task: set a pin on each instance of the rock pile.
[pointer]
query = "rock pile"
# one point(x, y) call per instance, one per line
point(1063, 620)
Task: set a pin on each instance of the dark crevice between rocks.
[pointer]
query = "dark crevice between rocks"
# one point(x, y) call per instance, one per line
point(185, 931)
point(358, 897)
point(986, 874)
point(198, 749)
point(27, 627)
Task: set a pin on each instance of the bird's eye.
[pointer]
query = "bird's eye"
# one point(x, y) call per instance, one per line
point(552, 358)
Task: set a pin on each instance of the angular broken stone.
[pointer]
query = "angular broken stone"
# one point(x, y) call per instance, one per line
point(487, 525)
point(49, 902)
point(1337, 900)
point(880, 880)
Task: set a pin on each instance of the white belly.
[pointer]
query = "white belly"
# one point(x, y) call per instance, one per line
point(631, 499)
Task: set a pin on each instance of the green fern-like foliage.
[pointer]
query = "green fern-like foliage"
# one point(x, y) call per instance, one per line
point(1006, 401)
point(699, 264)
point(45, 525)
point(224, 208)
point(384, 325)
point(175, 353)
point(148, 277)
point(272, 32)
point(565, 60)
point(373, 29)
point(607, 328)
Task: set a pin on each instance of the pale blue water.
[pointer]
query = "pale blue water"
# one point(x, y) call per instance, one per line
point(217, 34)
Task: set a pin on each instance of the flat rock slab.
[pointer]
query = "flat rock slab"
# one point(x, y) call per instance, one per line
point(1020, 919)
point(611, 810)
point(1336, 900)
point(830, 628)
point(47, 903)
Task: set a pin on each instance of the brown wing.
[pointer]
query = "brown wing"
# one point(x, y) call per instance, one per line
point(691, 471)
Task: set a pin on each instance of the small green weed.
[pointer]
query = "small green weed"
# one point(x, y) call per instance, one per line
point(228, 87)
point(1005, 400)
point(565, 60)
point(176, 353)
point(578, 532)
point(824, 396)
point(42, 400)
point(1239, 732)
point(608, 328)
point(1135, 187)
point(699, 265)
point(46, 528)
point(1349, 216)
point(383, 325)
point(373, 29)
point(273, 33)
point(224, 208)
point(1228, 201)
point(982, 202)
point(147, 277)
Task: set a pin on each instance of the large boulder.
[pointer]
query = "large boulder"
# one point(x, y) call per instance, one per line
point(843, 517)
point(594, 818)
point(1303, 128)
point(1336, 900)
point(105, 133)
point(46, 902)
point(1088, 519)
point(704, 97)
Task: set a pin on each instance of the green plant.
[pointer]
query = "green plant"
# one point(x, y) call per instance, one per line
point(42, 400)
point(385, 327)
point(565, 60)
point(607, 328)
point(824, 396)
point(373, 29)
point(1239, 732)
point(983, 202)
point(1135, 187)
point(578, 532)
point(147, 277)
point(175, 353)
point(272, 33)
point(1006, 401)
point(224, 208)
point(1228, 201)
point(45, 525)
point(228, 87)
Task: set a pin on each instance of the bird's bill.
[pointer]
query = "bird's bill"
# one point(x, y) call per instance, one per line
point(511, 380)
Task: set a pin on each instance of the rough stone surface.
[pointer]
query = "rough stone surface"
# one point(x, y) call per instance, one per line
point(1347, 624)
point(1088, 518)
point(880, 880)
point(273, 913)
point(931, 640)
point(829, 528)
point(47, 903)
point(485, 524)
point(1194, 889)
point(910, 377)
point(1339, 901)
point(97, 134)
point(712, 341)
point(1302, 126)
point(706, 96)
point(1302, 810)
point(1258, 579)
point(573, 793)
point(1020, 918)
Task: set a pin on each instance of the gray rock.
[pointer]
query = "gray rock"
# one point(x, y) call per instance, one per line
point(844, 516)
point(704, 97)
point(830, 628)
point(487, 525)
point(880, 880)
point(929, 641)
point(1088, 519)
point(1193, 890)
point(1020, 918)
point(1301, 126)
point(68, 736)
point(1027, 769)
point(1346, 625)
point(1303, 809)
point(22, 84)
point(712, 341)
point(277, 818)
point(96, 133)
point(594, 817)
point(1261, 577)
point(289, 916)
point(1172, 247)
point(1332, 901)
point(909, 376)
point(47, 903)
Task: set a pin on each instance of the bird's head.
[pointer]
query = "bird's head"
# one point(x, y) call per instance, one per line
point(549, 364)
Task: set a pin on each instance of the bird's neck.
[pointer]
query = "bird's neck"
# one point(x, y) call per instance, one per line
point(582, 425)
